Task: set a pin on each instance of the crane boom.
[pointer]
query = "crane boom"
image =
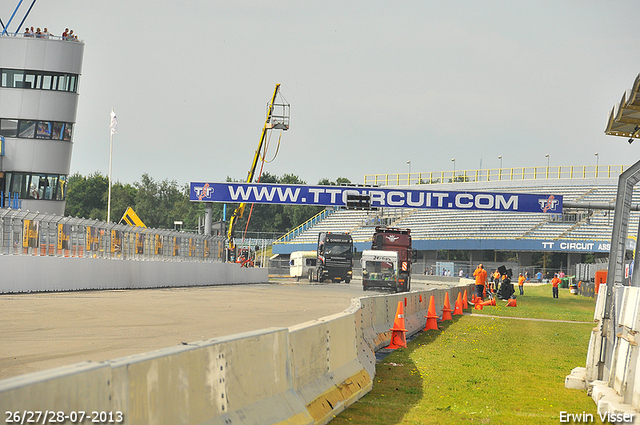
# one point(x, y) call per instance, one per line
point(237, 214)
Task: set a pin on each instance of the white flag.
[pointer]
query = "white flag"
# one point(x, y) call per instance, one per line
point(114, 123)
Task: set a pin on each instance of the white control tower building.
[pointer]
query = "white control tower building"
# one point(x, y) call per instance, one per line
point(38, 103)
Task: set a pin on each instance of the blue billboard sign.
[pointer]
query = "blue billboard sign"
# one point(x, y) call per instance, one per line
point(381, 197)
point(562, 245)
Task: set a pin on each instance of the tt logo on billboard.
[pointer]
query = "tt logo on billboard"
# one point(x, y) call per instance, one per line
point(548, 204)
point(203, 191)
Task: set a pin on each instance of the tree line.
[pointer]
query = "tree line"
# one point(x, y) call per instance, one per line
point(160, 203)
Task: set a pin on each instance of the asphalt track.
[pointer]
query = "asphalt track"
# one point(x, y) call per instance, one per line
point(45, 330)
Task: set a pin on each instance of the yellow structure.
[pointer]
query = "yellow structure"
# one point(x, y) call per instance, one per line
point(131, 218)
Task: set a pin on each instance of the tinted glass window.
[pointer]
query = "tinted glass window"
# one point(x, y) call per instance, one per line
point(27, 129)
point(61, 190)
point(8, 128)
point(63, 83)
point(19, 78)
point(46, 82)
point(38, 186)
point(67, 133)
point(29, 80)
point(58, 128)
point(44, 130)
point(7, 182)
point(50, 189)
point(12, 78)
point(20, 184)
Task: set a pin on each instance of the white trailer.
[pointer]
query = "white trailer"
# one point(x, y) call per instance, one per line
point(300, 262)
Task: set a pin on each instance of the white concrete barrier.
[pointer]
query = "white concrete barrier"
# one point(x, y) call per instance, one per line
point(22, 273)
point(301, 375)
point(618, 393)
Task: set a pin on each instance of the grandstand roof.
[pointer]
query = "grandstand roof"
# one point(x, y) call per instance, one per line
point(624, 118)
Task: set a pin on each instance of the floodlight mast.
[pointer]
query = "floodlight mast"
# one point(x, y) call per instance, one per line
point(268, 125)
point(5, 28)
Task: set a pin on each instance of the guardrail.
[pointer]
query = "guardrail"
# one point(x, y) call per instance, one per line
point(304, 226)
point(305, 374)
point(496, 174)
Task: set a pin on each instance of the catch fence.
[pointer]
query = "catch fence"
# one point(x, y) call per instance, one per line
point(34, 233)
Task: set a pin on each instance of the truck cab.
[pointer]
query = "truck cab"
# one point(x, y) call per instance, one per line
point(399, 241)
point(334, 258)
point(380, 270)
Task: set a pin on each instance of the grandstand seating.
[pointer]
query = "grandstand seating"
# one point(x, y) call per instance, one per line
point(434, 224)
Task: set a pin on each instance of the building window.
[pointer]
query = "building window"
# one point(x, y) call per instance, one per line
point(58, 128)
point(44, 130)
point(27, 129)
point(39, 80)
point(20, 184)
point(30, 78)
point(30, 129)
point(50, 189)
point(8, 128)
point(61, 191)
point(12, 78)
point(36, 186)
point(47, 79)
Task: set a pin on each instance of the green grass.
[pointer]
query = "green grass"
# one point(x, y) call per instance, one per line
point(538, 303)
point(479, 369)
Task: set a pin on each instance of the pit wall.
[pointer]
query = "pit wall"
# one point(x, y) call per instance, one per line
point(618, 393)
point(305, 374)
point(21, 273)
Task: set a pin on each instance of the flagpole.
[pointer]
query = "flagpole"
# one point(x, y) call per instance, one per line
point(112, 130)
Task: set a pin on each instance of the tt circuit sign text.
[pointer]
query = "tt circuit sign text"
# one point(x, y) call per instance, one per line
point(380, 197)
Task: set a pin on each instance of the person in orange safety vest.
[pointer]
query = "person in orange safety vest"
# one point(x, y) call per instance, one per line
point(496, 280)
point(481, 278)
point(554, 284)
point(521, 280)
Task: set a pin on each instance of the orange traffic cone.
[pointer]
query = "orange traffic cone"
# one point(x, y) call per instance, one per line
point(488, 302)
point(478, 306)
point(465, 303)
point(457, 310)
point(446, 310)
point(398, 337)
point(512, 303)
point(432, 317)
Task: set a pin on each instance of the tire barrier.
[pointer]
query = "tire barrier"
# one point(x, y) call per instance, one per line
point(304, 374)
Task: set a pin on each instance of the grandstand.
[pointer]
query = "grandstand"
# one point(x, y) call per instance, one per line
point(575, 232)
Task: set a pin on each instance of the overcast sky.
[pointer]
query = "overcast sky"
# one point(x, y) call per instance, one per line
point(371, 84)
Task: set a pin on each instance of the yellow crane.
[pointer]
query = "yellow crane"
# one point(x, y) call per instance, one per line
point(277, 119)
